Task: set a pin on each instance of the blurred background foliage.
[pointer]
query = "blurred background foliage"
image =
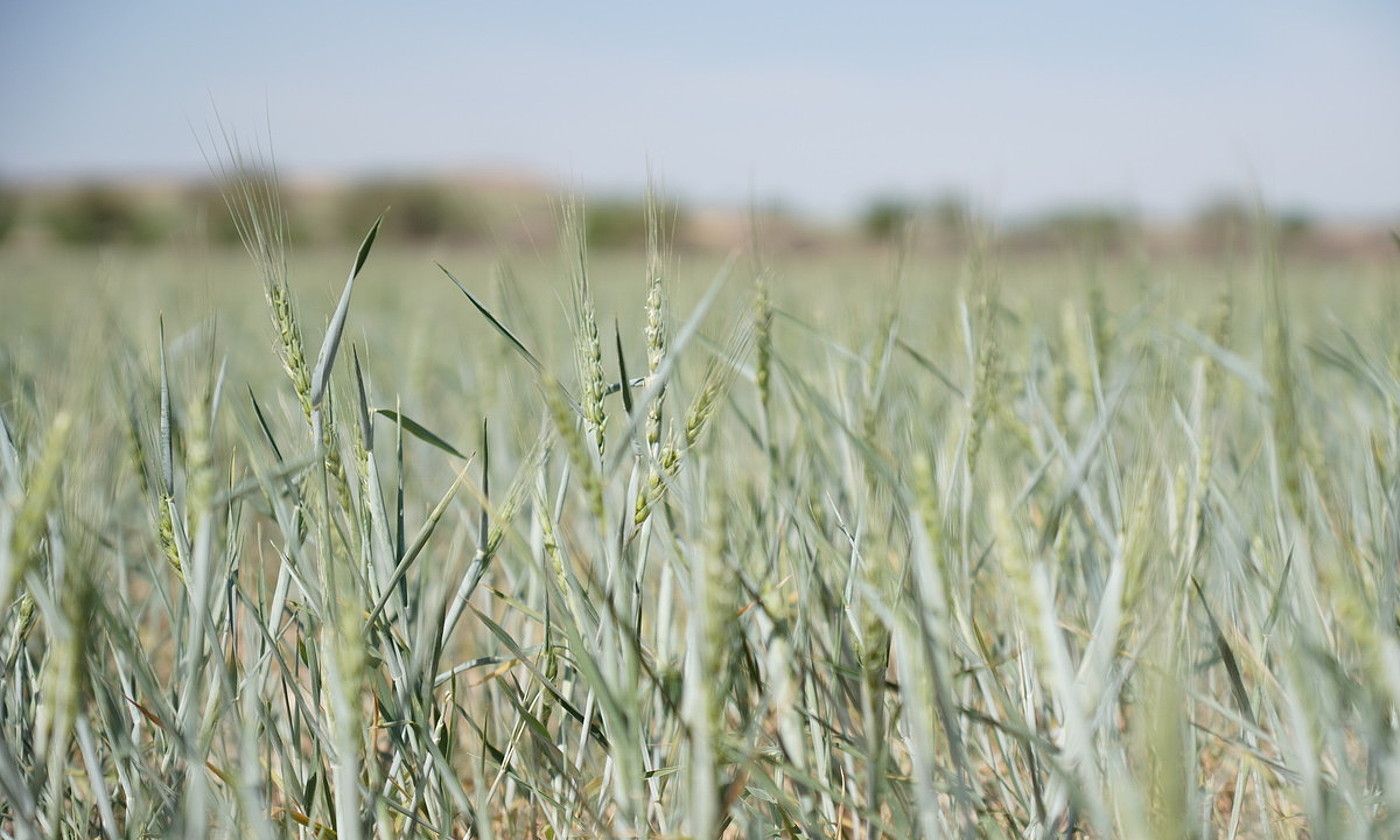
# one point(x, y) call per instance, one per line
point(499, 211)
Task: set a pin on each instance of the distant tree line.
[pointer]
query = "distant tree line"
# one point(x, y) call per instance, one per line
point(418, 211)
point(9, 210)
point(96, 213)
point(424, 211)
point(1221, 224)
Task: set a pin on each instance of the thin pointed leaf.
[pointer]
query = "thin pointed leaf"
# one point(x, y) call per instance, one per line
point(325, 360)
point(419, 431)
point(501, 328)
point(366, 426)
point(485, 520)
point(622, 382)
point(167, 458)
point(262, 422)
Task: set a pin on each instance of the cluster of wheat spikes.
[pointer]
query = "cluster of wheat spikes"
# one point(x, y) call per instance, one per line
point(1135, 576)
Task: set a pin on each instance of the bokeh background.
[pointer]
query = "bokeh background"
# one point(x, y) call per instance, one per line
point(1172, 127)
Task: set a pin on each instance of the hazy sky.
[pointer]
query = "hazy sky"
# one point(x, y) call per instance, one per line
point(824, 104)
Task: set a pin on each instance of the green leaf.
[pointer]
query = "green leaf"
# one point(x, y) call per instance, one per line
point(325, 360)
point(419, 431)
point(494, 321)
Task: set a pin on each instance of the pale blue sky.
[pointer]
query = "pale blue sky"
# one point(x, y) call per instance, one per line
point(1022, 105)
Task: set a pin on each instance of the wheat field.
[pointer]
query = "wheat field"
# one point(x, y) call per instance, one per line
point(560, 544)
